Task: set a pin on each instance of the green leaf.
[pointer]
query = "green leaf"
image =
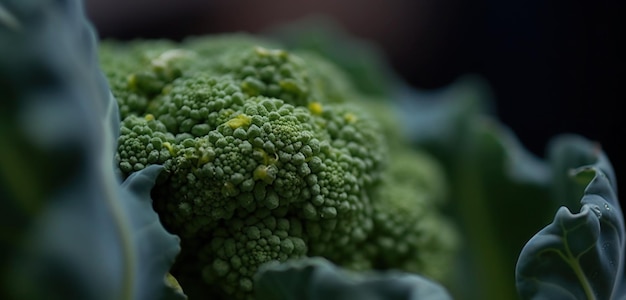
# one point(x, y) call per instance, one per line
point(147, 236)
point(566, 154)
point(495, 183)
point(318, 279)
point(68, 228)
point(579, 255)
point(110, 248)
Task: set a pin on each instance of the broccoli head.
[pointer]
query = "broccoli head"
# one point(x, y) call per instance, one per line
point(269, 156)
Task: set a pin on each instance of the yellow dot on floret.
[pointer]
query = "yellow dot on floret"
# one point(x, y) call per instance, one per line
point(132, 81)
point(169, 148)
point(316, 108)
point(239, 121)
point(163, 60)
point(205, 158)
point(265, 173)
point(149, 117)
point(281, 53)
point(290, 86)
point(260, 172)
point(350, 118)
point(262, 51)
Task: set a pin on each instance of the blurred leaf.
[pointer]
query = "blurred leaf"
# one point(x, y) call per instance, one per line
point(68, 229)
point(496, 184)
point(318, 279)
point(579, 255)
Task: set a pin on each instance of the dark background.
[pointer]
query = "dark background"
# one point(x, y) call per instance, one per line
point(554, 66)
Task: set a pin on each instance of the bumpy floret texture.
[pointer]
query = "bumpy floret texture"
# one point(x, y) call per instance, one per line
point(408, 229)
point(143, 142)
point(268, 156)
point(240, 246)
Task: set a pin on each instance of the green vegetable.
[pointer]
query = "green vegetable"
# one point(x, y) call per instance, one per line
point(264, 159)
point(271, 155)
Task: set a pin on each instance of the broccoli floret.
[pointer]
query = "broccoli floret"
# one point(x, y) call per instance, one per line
point(140, 70)
point(237, 249)
point(269, 157)
point(143, 142)
point(270, 72)
point(409, 231)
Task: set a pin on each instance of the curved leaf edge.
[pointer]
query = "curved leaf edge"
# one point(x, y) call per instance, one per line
point(316, 278)
point(554, 263)
point(92, 237)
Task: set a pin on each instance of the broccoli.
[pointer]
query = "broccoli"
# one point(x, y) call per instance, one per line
point(270, 155)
